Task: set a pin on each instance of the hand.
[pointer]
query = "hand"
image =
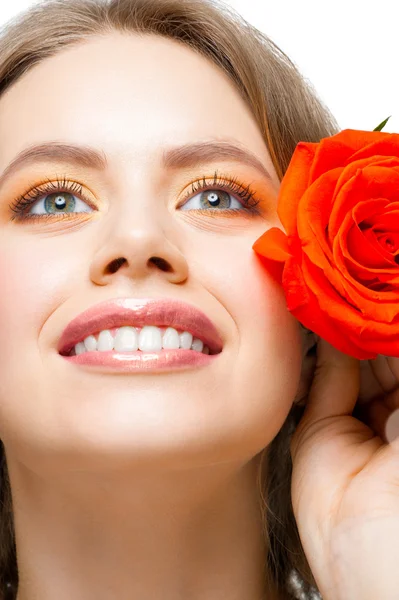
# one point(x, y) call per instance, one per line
point(345, 481)
point(378, 376)
point(377, 405)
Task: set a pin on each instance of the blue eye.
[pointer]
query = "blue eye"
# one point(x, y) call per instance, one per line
point(59, 202)
point(63, 199)
point(213, 199)
point(56, 196)
point(220, 196)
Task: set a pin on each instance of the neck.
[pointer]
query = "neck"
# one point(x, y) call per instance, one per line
point(168, 534)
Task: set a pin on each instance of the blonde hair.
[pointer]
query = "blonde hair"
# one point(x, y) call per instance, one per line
point(287, 111)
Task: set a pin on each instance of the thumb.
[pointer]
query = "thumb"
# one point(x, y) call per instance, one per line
point(335, 386)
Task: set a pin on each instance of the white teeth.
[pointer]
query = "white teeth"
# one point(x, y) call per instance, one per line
point(90, 343)
point(171, 339)
point(197, 345)
point(186, 339)
point(147, 339)
point(126, 339)
point(150, 339)
point(105, 341)
point(80, 348)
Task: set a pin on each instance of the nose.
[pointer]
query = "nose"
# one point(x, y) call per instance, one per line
point(138, 252)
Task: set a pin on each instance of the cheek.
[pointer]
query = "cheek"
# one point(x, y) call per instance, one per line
point(31, 280)
point(270, 351)
point(233, 273)
point(254, 300)
point(35, 279)
point(264, 348)
point(269, 334)
point(20, 291)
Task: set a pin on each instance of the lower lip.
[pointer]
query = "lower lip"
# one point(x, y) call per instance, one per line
point(139, 361)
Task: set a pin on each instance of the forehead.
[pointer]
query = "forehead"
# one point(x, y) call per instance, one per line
point(125, 92)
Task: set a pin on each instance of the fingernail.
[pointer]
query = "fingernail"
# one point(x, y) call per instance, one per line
point(392, 426)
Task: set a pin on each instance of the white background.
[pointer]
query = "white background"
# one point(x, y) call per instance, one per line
point(348, 50)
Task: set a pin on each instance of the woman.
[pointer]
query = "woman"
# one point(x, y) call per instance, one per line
point(169, 125)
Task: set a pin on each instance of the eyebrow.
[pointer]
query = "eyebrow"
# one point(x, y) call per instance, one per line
point(185, 156)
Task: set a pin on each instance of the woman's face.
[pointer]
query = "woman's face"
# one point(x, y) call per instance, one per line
point(133, 98)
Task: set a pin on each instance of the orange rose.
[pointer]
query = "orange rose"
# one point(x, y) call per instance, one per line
point(339, 259)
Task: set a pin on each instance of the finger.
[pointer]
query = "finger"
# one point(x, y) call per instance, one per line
point(385, 416)
point(390, 401)
point(335, 386)
point(382, 369)
point(370, 386)
point(374, 414)
point(393, 364)
point(392, 428)
point(381, 415)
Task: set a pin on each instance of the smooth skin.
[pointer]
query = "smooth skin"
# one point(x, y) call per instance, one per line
point(144, 486)
point(345, 483)
point(139, 485)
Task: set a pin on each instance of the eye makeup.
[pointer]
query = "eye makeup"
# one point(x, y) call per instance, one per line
point(243, 193)
point(23, 202)
point(231, 185)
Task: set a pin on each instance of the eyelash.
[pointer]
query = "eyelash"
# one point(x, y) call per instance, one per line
point(222, 182)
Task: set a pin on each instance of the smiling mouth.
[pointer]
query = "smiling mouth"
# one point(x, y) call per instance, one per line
point(162, 330)
point(128, 339)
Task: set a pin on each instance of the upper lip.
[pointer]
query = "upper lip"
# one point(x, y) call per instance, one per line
point(137, 312)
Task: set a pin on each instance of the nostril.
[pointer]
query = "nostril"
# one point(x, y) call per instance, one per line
point(161, 263)
point(115, 264)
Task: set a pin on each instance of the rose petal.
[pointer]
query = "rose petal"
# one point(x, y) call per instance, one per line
point(294, 184)
point(333, 152)
point(273, 244)
point(370, 182)
point(313, 217)
point(364, 252)
point(387, 144)
point(330, 324)
point(373, 161)
point(339, 204)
